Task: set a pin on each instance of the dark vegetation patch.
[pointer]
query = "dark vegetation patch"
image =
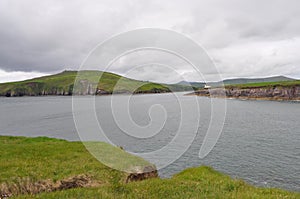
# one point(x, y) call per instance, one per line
point(30, 187)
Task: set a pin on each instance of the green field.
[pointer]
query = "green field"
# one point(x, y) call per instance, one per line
point(266, 84)
point(26, 162)
point(63, 84)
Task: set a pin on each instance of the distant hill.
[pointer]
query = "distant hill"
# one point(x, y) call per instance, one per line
point(238, 81)
point(63, 84)
point(193, 84)
point(257, 80)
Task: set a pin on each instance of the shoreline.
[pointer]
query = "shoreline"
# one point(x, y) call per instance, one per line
point(97, 95)
point(248, 98)
point(273, 93)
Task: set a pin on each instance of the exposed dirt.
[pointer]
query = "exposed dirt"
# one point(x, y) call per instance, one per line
point(27, 186)
point(142, 174)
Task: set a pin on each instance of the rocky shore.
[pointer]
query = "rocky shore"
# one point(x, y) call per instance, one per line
point(265, 93)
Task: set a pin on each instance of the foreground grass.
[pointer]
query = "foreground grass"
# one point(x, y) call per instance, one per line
point(202, 182)
point(52, 159)
point(46, 158)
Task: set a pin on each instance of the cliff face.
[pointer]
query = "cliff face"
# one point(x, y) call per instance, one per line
point(37, 89)
point(268, 93)
point(84, 87)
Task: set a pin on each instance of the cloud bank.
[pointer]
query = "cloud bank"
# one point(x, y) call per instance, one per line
point(249, 38)
point(18, 76)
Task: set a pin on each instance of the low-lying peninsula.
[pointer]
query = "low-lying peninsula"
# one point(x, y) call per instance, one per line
point(51, 168)
point(286, 90)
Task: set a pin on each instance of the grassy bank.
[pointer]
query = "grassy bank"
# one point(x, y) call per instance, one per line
point(25, 162)
point(265, 84)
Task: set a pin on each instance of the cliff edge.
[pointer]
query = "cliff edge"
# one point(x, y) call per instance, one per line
point(266, 93)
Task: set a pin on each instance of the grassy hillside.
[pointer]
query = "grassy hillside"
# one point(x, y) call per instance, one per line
point(63, 83)
point(39, 164)
point(257, 80)
point(266, 84)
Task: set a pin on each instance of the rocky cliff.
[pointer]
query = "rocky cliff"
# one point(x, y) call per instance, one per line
point(267, 93)
point(84, 87)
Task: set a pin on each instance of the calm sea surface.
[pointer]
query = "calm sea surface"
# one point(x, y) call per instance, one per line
point(260, 141)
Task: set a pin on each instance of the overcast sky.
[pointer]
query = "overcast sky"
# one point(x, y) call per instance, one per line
point(245, 38)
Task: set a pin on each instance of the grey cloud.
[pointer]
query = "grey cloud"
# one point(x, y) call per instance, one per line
point(48, 36)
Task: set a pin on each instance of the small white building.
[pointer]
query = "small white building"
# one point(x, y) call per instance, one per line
point(207, 86)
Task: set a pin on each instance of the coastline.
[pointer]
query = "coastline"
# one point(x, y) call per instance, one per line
point(97, 95)
point(249, 98)
point(274, 93)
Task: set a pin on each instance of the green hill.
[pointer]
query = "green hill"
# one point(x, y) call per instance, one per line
point(86, 84)
point(193, 84)
point(257, 80)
